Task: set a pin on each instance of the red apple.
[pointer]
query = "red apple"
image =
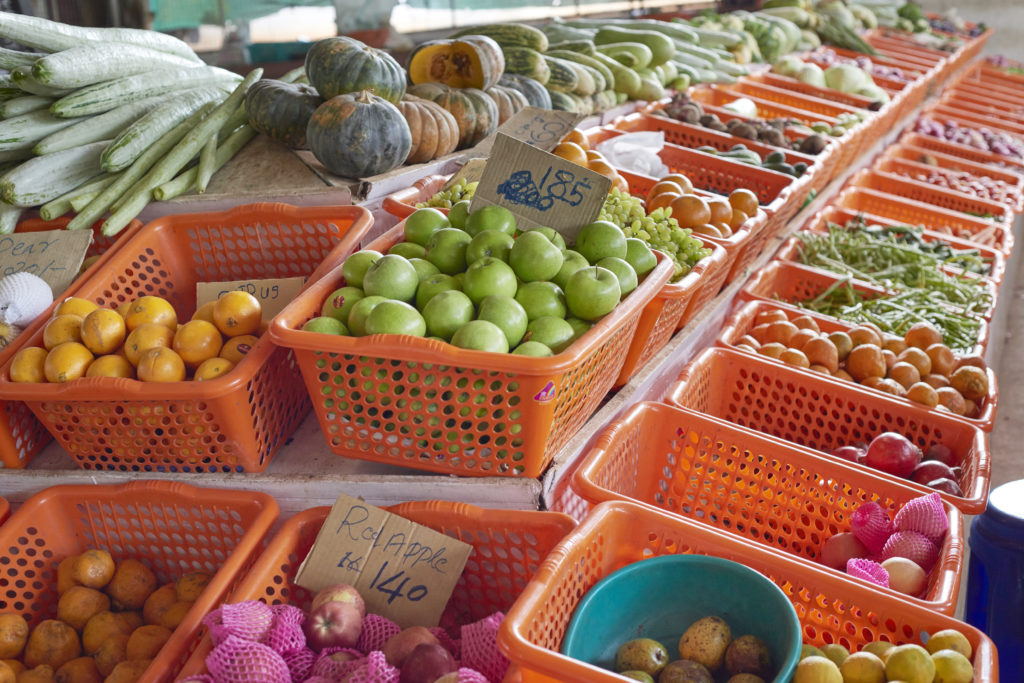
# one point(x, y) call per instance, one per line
point(401, 645)
point(894, 454)
point(942, 453)
point(333, 624)
point(842, 547)
point(340, 592)
point(426, 664)
point(946, 485)
point(851, 453)
point(929, 470)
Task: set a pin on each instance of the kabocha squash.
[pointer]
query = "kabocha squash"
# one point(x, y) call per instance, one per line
point(281, 110)
point(466, 62)
point(536, 94)
point(434, 131)
point(359, 135)
point(336, 66)
point(474, 112)
point(508, 101)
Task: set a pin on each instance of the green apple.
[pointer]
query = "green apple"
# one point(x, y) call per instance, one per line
point(458, 214)
point(356, 265)
point(535, 258)
point(489, 277)
point(481, 336)
point(599, 240)
point(432, 286)
point(532, 348)
point(592, 293)
point(554, 333)
point(640, 256)
point(579, 327)
point(493, 243)
point(392, 277)
point(446, 249)
point(339, 302)
point(422, 223)
point(553, 235)
point(447, 312)
point(424, 268)
point(541, 299)
point(326, 325)
point(395, 317)
point(360, 311)
point(623, 271)
point(459, 279)
point(572, 261)
point(492, 217)
point(409, 250)
point(507, 314)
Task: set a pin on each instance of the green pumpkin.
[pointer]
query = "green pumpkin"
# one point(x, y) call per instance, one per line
point(281, 110)
point(535, 93)
point(359, 135)
point(336, 66)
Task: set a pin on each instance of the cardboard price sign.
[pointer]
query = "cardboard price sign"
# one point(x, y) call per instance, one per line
point(471, 172)
point(404, 571)
point(540, 188)
point(55, 255)
point(273, 294)
point(540, 128)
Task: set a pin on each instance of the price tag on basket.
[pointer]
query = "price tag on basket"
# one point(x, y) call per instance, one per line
point(404, 571)
point(273, 294)
point(54, 255)
point(540, 128)
point(540, 188)
point(471, 172)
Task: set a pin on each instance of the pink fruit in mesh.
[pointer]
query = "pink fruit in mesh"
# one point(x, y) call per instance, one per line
point(198, 678)
point(374, 669)
point(871, 525)
point(869, 570)
point(299, 662)
point(926, 516)
point(376, 631)
point(913, 546)
point(248, 620)
point(242, 661)
point(480, 648)
point(447, 642)
point(285, 634)
point(335, 663)
point(471, 676)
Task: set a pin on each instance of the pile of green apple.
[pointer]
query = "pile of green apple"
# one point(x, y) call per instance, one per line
point(475, 281)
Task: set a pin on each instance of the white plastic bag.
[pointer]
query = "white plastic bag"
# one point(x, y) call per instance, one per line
point(636, 152)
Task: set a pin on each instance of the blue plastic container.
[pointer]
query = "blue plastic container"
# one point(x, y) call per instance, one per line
point(661, 597)
point(995, 577)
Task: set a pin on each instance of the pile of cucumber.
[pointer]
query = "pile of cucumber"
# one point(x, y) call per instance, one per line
point(100, 119)
point(773, 161)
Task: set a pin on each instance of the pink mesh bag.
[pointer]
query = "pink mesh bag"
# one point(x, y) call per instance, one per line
point(376, 631)
point(199, 678)
point(285, 634)
point(869, 570)
point(336, 669)
point(453, 646)
point(300, 662)
point(248, 620)
point(374, 669)
point(913, 546)
point(242, 661)
point(871, 525)
point(470, 676)
point(926, 516)
point(480, 648)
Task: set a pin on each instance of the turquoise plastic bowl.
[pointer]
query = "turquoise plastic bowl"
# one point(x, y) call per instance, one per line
point(659, 598)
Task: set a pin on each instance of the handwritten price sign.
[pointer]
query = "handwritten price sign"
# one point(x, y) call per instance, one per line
point(54, 255)
point(273, 294)
point(540, 188)
point(403, 570)
point(540, 128)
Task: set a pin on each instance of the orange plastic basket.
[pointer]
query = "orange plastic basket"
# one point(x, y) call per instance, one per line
point(233, 423)
point(811, 101)
point(715, 271)
point(402, 203)
point(760, 488)
point(831, 609)
point(22, 436)
point(766, 109)
point(172, 528)
point(742, 322)
point(406, 400)
point(916, 74)
point(508, 547)
point(5, 510)
point(977, 105)
point(823, 413)
point(941, 111)
point(929, 216)
point(987, 94)
point(780, 82)
point(978, 156)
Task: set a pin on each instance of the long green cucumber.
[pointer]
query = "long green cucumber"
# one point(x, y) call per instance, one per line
point(23, 78)
point(662, 47)
point(105, 126)
point(89, 64)
point(23, 105)
point(584, 60)
point(41, 179)
point(641, 54)
point(23, 132)
point(12, 59)
point(583, 47)
point(626, 80)
point(225, 151)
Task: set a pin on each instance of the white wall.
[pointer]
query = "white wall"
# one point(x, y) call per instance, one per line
point(1007, 16)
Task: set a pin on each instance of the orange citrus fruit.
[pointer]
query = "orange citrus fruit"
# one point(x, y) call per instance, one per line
point(236, 348)
point(158, 602)
point(112, 365)
point(75, 305)
point(94, 568)
point(237, 313)
point(665, 186)
point(145, 337)
point(13, 634)
point(103, 331)
point(205, 312)
point(690, 211)
point(66, 574)
point(213, 368)
point(662, 201)
point(721, 211)
point(132, 584)
point(7, 673)
point(197, 341)
point(28, 365)
point(738, 218)
point(680, 180)
point(146, 641)
point(52, 642)
point(161, 364)
point(744, 200)
point(128, 671)
point(593, 154)
point(67, 361)
point(110, 653)
point(80, 604)
point(103, 626)
point(80, 670)
point(602, 167)
point(62, 328)
point(570, 151)
point(576, 136)
point(122, 309)
point(151, 309)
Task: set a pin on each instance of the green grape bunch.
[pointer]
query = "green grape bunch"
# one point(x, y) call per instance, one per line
point(446, 199)
point(659, 230)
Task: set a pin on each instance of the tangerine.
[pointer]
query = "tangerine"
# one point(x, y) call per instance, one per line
point(205, 312)
point(680, 180)
point(122, 309)
point(110, 653)
point(190, 586)
point(66, 362)
point(66, 574)
point(75, 305)
point(197, 341)
point(52, 642)
point(661, 201)
point(708, 230)
point(236, 348)
point(212, 369)
point(103, 626)
point(158, 602)
point(145, 641)
point(28, 365)
point(145, 337)
point(237, 313)
point(745, 200)
point(691, 211)
point(721, 211)
point(7, 674)
point(161, 365)
point(620, 183)
point(971, 382)
point(593, 154)
point(576, 136)
point(103, 331)
point(128, 671)
point(112, 365)
point(922, 335)
point(603, 167)
point(570, 151)
point(151, 309)
point(80, 604)
point(663, 186)
point(15, 666)
point(131, 585)
point(43, 673)
point(738, 218)
point(94, 568)
point(62, 328)
point(80, 670)
point(13, 634)
point(175, 614)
